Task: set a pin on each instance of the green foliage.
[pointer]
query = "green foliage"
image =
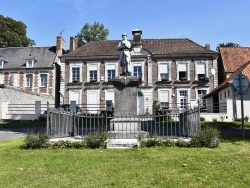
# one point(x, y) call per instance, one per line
point(94, 32)
point(68, 144)
point(207, 137)
point(202, 119)
point(35, 141)
point(13, 33)
point(96, 140)
point(246, 118)
point(229, 44)
point(182, 143)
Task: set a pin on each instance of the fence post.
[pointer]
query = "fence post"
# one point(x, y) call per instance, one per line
point(48, 113)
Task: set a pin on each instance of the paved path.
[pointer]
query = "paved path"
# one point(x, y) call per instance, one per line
point(14, 133)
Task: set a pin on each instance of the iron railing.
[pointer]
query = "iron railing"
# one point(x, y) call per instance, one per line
point(184, 123)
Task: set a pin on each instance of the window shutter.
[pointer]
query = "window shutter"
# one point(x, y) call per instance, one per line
point(200, 68)
point(164, 96)
point(182, 67)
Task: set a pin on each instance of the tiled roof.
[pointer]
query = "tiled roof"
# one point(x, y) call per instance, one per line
point(234, 57)
point(155, 46)
point(229, 80)
point(16, 56)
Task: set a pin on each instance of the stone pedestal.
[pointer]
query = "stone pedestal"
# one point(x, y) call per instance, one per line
point(125, 95)
point(125, 122)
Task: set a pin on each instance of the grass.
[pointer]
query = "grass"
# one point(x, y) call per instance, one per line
point(226, 166)
point(235, 124)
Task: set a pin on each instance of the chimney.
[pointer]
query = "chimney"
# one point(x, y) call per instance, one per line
point(137, 36)
point(60, 46)
point(73, 44)
point(207, 46)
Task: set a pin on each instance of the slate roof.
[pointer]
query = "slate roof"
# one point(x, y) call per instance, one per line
point(170, 47)
point(16, 56)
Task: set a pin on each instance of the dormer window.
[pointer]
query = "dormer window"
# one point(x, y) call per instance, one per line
point(1, 64)
point(30, 63)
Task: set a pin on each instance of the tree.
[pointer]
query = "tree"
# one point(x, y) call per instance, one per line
point(229, 44)
point(94, 32)
point(13, 33)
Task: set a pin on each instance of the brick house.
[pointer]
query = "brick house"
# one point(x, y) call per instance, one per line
point(232, 61)
point(34, 69)
point(175, 72)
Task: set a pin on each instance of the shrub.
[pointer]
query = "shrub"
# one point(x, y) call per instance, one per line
point(169, 142)
point(68, 144)
point(35, 141)
point(214, 120)
point(181, 143)
point(96, 140)
point(246, 118)
point(207, 137)
point(152, 142)
point(202, 119)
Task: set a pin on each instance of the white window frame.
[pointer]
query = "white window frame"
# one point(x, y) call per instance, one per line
point(205, 64)
point(198, 98)
point(30, 83)
point(30, 63)
point(183, 63)
point(180, 97)
point(75, 65)
point(1, 78)
point(14, 79)
point(142, 68)
point(1, 64)
point(111, 66)
point(93, 66)
point(163, 98)
point(41, 82)
point(164, 68)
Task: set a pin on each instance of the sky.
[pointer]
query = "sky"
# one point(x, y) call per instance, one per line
point(202, 21)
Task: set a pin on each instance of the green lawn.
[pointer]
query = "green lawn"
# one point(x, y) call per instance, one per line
point(226, 166)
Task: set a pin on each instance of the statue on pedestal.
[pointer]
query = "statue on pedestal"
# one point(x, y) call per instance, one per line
point(124, 55)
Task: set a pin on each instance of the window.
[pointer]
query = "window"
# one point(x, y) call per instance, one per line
point(111, 74)
point(163, 71)
point(110, 70)
point(182, 71)
point(75, 74)
point(220, 96)
point(29, 63)
point(29, 80)
point(183, 98)
point(164, 98)
point(93, 75)
point(43, 80)
point(225, 94)
point(202, 101)
point(201, 70)
point(137, 71)
point(1, 64)
point(93, 72)
point(228, 93)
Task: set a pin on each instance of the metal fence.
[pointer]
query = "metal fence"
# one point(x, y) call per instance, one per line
point(184, 123)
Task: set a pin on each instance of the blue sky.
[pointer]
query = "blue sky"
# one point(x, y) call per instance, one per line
point(204, 22)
